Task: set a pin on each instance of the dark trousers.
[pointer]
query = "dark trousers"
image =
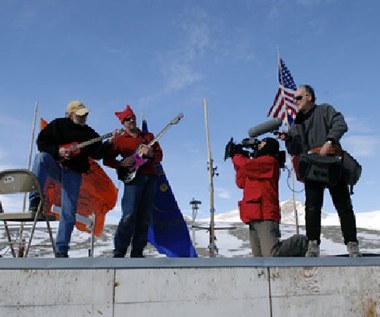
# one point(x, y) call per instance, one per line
point(342, 201)
point(136, 205)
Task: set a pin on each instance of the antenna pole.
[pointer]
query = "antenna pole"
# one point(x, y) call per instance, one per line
point(211, 171)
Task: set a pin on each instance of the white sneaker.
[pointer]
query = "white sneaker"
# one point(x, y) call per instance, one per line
point(353, 249)
point(312, 249)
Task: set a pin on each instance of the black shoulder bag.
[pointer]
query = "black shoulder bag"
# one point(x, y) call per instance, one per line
point(322, 169)
point(317, 168)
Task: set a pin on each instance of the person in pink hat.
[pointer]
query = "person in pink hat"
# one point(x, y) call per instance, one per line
point(136, 169)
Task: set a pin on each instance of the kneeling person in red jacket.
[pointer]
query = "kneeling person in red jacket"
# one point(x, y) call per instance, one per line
point(258, 176)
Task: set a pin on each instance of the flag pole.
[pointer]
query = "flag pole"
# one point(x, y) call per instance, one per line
point(21, 230)
point(279, 71)
point(294, 196)
point(31, 145)
point(142, 120)
point(211, 169)
point(291, 161)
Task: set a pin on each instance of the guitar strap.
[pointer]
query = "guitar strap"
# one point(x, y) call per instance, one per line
point(143, 140)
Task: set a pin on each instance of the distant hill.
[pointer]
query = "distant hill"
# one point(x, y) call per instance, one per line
point(365, 220)
point(232, 239)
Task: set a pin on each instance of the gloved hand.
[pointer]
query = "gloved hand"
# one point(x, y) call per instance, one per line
point(230, 149)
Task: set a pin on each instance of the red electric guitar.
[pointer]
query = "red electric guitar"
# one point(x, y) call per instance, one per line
point(75, 147)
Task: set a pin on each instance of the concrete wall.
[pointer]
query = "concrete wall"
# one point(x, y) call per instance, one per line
point(190, 287)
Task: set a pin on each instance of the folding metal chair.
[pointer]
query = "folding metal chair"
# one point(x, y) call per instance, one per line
point(22, 181)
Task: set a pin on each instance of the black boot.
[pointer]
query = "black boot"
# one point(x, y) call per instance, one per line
point(33, 207)
point(60, 254)
point(119, 253)
point(33, 204)
point(137, 254)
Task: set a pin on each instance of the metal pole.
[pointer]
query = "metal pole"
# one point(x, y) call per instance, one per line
point(31, 146)
point(292, 166)
point(212, 247)
point(21, 231)
point(194, 205)
point(7, 232)
point(294, 197)
point(92, 236)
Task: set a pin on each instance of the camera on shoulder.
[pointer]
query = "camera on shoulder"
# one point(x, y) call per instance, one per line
point(249, 147)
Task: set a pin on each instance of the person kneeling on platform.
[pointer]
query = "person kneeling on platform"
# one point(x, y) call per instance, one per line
point(258, 173)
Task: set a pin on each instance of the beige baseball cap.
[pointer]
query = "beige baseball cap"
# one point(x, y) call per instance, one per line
point(77, 107)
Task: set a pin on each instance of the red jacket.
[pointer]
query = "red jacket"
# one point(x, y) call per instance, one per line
point(125, 145)
point(258, 177)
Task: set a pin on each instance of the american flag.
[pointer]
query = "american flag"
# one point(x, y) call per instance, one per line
point(283, 106)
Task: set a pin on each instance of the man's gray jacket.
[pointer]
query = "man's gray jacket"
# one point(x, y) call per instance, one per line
point(314, 128)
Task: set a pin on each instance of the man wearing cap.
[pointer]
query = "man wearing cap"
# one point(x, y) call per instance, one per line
point(62, 164)
point(258, 175)
point(137, 200)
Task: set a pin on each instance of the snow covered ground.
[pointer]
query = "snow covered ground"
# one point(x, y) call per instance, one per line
point(232, 238)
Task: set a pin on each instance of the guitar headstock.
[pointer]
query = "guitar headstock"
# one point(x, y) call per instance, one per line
point(176, 119)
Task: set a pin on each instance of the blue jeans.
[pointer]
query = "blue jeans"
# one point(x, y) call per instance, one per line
point(136, 205)
point(45, 166)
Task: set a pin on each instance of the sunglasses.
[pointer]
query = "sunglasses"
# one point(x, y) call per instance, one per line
point(298, 98)
point(130, 119)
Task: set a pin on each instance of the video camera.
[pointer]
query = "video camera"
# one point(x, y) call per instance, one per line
point(248, 147)
point(251, 144)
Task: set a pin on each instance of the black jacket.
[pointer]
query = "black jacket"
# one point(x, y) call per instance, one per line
point(64, 131)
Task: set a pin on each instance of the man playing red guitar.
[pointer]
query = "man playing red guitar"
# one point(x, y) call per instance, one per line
point(63, 157)
point(140, 159)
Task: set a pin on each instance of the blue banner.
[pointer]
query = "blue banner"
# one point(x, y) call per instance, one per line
point(168, 231)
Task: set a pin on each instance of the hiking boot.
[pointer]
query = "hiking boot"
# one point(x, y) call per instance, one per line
point(353, 249)
point(119, 253)
point(137, 254)
point(33, 205)
point(312, 249)
point(61, 254)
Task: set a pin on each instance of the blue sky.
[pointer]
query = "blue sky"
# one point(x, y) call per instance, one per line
point(164, 57)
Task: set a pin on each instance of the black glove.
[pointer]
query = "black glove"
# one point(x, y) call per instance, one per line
point(230, 149)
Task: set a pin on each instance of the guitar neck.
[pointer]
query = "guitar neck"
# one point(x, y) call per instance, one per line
point(154, 140)
point(92, 141)
point(166, 128)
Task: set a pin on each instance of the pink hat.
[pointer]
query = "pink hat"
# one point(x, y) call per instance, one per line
point(127, 112)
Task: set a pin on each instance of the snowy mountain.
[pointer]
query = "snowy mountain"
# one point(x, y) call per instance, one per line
point(365, 220)
point(368, 225)
point(232, 238)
